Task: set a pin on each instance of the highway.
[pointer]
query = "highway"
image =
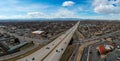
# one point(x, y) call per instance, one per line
point(78, 43)
point(22, 39)
point(85, 54)
point(54, 50)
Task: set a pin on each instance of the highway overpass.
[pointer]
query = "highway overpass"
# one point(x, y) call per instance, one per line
point(54, 50)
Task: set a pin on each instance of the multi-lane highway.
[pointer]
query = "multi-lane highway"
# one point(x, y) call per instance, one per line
point(54, 50)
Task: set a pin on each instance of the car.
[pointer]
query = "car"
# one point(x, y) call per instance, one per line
point(33, 58)
point(90, 52)
point(62, 49)
point(47, 47)
point(118, 47)
point(118, 58)
point(56, 50)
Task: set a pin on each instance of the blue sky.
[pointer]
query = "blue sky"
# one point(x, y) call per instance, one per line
point(84, 9)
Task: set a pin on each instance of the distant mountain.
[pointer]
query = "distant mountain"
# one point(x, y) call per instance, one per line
point(46, 19)
point(39, 19)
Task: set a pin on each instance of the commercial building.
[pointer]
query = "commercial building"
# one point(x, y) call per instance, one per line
point(104, 49)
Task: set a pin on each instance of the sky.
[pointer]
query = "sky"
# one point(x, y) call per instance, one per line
point(83, 9)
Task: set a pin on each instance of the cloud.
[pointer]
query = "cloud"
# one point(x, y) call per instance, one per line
point(13, 17)
point(15, 7)
point(36, 15)
point(106, 6)
point(107, 9)
point(26, 10)
point(60, 13)
point(68, 3)
point(64, 13)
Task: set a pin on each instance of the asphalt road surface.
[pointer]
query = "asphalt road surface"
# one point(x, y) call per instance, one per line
point(85, 54)
point(54, 50)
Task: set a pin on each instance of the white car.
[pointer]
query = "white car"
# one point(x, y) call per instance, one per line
point(118, 47)
point(118, 58)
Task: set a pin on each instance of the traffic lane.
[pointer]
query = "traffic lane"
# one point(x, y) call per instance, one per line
point(43, 51)
point(57, 53)
point(63, 46)
point(85, 54)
